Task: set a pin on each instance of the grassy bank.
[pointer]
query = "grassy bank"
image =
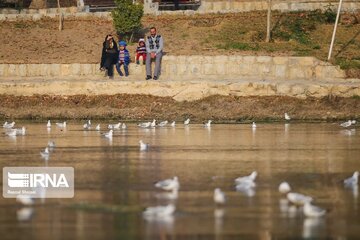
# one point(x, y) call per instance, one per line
point(145, 107)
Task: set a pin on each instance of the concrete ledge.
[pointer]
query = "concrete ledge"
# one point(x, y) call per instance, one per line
point(198, 67)
point(180, 90)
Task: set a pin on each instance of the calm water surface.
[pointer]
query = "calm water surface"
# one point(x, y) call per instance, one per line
point(114, 182)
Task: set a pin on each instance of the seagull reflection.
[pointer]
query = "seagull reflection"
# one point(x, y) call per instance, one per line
point(173, 195)
point(162, 226)
point(24, 214)
point(284, 206)
point(312, 227)
point(218, 222)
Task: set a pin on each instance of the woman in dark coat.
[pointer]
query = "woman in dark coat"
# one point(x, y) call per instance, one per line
point(109, 55)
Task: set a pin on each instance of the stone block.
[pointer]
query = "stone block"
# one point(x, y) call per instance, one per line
point(44, 69)
point(222, 59)
point(249, 59)
point(194, 69)
point(220, 69)
point(280, 71)
point(263, 59)
point(76, 69)
point(209, 69)
point(3, 70)
point(12, 70)
point(55, 69)
point(296, 73)
point(22, 70)
point(37, 17)
point(281, 60)
point(66, 69)
point(306, 61)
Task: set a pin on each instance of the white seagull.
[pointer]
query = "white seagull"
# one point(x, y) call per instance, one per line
point(123, 126)
point(253, 125)
point(8, 125)
point(87, 125)
point(108, 134)
point(153, 123)
point(159, 211)
point(246, 179)
point(287, 117)
point(114, 126)
point(219, 196)
point(163, 123)
point(208, 124)
point(45, 154)
point(61, 125)
point(143, 146)
point(173, 124)
point(97, 128)
point(313, 211)
point(144, 124)
point(48, 125)
point(284, 187)
point(298, 199)
point(168, 184)
point(187, 121)
point(353, 180)
point(346, 124)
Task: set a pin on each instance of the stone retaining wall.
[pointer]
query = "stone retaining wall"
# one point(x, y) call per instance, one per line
point(197, 68)
point(207, 6)
point(181, 90)
point(214, 6)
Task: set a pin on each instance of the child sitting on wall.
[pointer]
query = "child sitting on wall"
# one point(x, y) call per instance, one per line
point(141, 51)
point(124, 59)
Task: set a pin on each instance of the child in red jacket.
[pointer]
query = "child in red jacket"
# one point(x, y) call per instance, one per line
point(141, 51)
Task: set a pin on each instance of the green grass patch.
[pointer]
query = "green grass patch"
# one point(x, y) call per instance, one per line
point(348, 63)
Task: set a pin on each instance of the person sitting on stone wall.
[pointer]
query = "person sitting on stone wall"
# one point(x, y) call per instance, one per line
point(141, 51)
point(109, 56)
point(154, 50)
point(123, 60)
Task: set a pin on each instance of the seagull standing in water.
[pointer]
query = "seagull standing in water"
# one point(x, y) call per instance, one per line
point(219, 196)
point(173, 124)
point(287, 117)
point(208, 124)
point(298, 199)
point(346, 124)
point(8, 125)
point(108, 134)
point(97, 128)
point(187, 121)
point(48, 125)
point(168, 184)
point(313, 211)
point(153, 123)
point(163, 123)
point(246, 179)
point(284, 187)
point(61, 125)
point(353, 180)
point(45, 154)
point(87, 125)
point(253, 125)
point(143, 146)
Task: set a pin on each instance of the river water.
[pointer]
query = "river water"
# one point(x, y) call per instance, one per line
point(114, 182)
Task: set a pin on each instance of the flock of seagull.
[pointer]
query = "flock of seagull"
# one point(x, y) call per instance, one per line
point(244, 184)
